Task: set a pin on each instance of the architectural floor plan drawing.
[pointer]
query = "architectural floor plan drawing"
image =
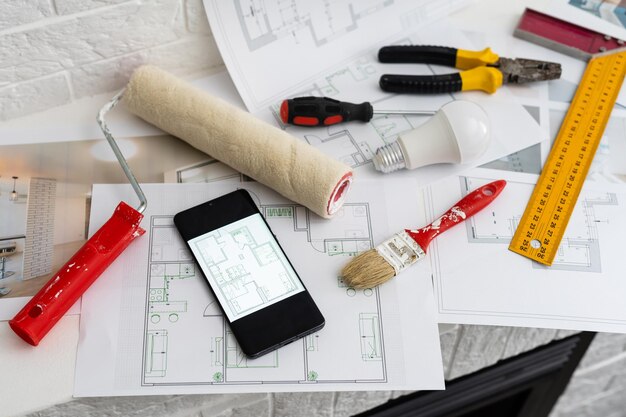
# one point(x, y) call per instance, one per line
point(265, 22)
point(470, 260)
point(338, 59)
point(175, 290)
point(355, 143)
point(343, 146)
point(580, 247)
point(310, 39)
point(174, 337)
point(548, 103)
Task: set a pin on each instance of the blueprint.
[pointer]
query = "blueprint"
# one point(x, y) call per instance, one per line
point(274, 46)
point(584, 288)
point(164, 332)
point(548, 103)
point(278, 50)
point(355, 143)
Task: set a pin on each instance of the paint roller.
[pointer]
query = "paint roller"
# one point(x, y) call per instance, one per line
point(263, 152)
point(65, 287)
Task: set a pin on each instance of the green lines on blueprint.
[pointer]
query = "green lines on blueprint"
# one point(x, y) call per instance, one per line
point(180, 307)
point(279, 211)
point(155, 362)
point(371, 342)
point(580, 248)
point(159, 302)
point(349, 234)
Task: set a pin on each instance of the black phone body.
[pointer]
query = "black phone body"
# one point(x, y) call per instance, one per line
point(257, 288)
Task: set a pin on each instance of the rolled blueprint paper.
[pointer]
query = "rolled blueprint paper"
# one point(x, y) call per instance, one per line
point(261, 151)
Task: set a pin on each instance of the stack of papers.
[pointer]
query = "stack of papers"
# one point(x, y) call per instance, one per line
point(374, 341)
point(150, 325)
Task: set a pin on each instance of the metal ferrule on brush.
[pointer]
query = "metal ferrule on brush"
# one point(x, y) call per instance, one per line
point(389, 158)
point(400, 251)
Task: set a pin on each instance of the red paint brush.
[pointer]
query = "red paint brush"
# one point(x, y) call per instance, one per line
point(391, 257)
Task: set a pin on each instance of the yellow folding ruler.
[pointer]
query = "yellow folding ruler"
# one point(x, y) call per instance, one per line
point(545, 219)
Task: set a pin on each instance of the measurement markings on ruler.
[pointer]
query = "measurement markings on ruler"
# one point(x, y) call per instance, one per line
point(550, 207)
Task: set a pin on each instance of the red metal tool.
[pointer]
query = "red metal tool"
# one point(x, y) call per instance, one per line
point(562, 36)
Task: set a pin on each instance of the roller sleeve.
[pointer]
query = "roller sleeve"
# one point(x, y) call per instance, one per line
point(261, 151)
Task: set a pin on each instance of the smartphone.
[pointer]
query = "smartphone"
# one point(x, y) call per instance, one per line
point(259, 291)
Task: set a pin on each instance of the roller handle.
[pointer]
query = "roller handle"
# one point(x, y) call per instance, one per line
point(461, 211)
point(65, 287)
point(315, 111)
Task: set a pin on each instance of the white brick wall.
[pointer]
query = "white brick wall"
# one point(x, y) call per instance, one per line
point(56, 51)
point(16, 13)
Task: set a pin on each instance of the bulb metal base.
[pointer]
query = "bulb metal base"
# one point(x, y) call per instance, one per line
point(389, 158)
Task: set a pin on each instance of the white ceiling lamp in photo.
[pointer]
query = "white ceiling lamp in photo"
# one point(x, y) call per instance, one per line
point(13, 195)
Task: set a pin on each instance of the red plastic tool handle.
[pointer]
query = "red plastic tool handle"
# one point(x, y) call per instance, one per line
point(323, 111)
point(47, 307)
point(464, 209)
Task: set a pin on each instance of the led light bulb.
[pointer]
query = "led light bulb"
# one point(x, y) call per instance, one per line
point(458, 133)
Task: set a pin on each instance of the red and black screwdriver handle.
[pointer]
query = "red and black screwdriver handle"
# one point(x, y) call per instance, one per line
point(316, 111)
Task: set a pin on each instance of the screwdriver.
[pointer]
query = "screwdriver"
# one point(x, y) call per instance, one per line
point(315, 111)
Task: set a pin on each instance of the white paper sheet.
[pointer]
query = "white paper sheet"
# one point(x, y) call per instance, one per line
point(479, 281)
point(548, 103)
point(34, 378)
point(512, 126)
point(149, 325)
point(268, 64)
point(9, 307)
point(271, 59)
point(273, 49)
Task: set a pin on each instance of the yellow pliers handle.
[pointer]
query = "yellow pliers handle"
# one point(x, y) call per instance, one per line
point(479, 74)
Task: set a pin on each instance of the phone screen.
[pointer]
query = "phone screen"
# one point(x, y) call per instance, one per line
point(245, 266)
point(260, 293)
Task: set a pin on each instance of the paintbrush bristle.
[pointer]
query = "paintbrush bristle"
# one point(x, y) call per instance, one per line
point(367, 270)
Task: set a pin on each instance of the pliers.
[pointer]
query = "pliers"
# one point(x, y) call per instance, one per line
point(485, 70)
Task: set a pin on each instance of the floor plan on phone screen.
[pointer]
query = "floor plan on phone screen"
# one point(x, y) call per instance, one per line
point(241, 262)
point(175, 339)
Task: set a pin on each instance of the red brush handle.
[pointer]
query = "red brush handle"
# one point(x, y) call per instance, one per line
point(47, 307)
point(467, 207)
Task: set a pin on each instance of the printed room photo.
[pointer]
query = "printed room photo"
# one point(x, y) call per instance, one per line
point(45, 197)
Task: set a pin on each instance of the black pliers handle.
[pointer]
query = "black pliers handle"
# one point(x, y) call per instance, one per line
point(484, 70)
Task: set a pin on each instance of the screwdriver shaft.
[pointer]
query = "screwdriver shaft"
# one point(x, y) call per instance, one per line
point(414, 112)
